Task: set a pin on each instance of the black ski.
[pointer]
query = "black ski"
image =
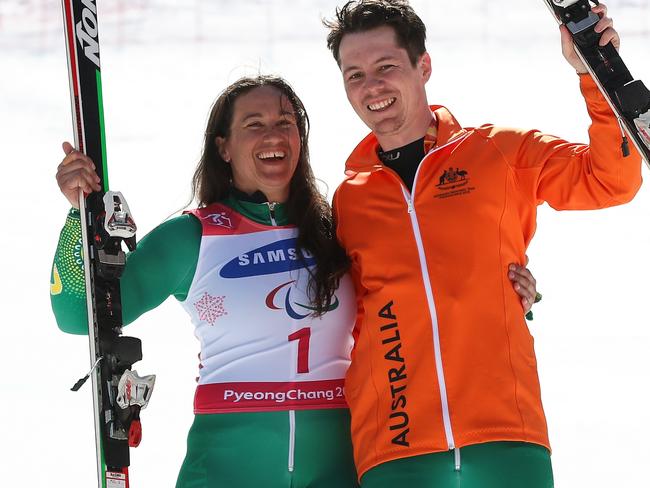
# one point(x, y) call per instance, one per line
point(629, 98)
point(118, 393)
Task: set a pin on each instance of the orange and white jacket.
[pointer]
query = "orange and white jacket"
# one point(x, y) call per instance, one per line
point(443, 356)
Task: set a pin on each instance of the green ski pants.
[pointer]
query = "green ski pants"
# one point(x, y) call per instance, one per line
point(489, 465)
point(300, 449)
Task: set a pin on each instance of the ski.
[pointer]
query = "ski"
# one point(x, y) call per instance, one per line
point(106, 222)
point(628, 98)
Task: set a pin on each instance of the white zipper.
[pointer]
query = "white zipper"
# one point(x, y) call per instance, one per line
point(292, 413)
point(446, 418)
point(271, 206)
point(409, 197)
point(292, 438)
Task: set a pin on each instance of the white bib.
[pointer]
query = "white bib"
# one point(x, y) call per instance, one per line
point(260, 347)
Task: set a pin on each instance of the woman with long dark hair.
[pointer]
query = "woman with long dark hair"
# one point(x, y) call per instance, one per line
point(263, 280)
point(259, 271)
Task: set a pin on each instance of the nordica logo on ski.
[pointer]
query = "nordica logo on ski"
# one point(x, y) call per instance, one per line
point(278, 257)
point(87, 31)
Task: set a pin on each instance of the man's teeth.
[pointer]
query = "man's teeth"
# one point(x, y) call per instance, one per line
point(271, 155)
point(383, 104)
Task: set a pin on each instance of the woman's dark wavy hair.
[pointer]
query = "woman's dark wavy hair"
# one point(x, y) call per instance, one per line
point(364, 15)
point(307, 209)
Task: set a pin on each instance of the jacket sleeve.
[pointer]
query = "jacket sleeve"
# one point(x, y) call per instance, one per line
point(162, 265)
point(572, 176)
point(67, 281)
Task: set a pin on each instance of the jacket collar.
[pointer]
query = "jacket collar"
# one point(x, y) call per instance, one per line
point(365, 156)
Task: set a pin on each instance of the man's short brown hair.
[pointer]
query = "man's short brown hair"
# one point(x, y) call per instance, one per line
point(364, 15)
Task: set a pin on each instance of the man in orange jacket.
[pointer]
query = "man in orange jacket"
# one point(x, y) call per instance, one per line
point(443, 386)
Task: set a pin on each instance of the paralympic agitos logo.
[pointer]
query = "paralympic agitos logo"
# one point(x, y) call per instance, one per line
point(293, 308)
point(87, 31)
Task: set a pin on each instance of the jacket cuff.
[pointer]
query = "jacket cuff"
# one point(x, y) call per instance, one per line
point(592, 93)
point(74, 213)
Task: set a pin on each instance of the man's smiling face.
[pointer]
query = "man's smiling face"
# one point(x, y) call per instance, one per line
point(386, 91)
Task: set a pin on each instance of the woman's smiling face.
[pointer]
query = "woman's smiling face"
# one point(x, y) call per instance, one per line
point(263, 146)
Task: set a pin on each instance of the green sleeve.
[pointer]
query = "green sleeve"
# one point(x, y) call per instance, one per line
point(67, 282)
point(162, 265)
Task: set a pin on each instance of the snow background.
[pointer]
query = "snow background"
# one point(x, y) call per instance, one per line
point(163, 65)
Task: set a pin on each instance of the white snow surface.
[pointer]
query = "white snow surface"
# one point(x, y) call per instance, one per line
point(163, 64)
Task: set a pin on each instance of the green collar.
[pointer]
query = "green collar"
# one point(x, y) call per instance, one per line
point(259, 212)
